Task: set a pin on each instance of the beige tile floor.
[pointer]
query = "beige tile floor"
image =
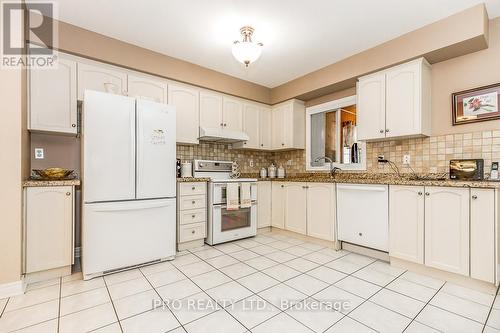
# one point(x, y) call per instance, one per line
point(270, 283)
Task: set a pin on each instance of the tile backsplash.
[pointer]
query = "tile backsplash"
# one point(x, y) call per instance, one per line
point(428, 155)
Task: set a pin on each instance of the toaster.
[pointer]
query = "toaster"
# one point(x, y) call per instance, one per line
point(471, 169)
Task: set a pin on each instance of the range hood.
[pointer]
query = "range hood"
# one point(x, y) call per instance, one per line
point(224, 135)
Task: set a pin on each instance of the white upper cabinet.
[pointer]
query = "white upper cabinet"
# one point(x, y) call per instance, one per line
point(406, 223)
point(187, 105)
point(232, 114)
point(288, 123)
point(251, 125)
point(101, 78)
point(447, 229)
point(395, 102)
point(210, 109)
point(265, 121)
point(150, 88)
point(482, 234)
point(295, 207)
point(53, 98)
point(321, 210)
point(371, 107)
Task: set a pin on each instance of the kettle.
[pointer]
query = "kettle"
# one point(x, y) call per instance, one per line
point(271, 171)
point(281, 172)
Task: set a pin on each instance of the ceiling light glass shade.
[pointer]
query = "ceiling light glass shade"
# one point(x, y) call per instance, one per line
point(247, 52)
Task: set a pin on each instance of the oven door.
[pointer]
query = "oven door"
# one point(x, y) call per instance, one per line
point(228, 225)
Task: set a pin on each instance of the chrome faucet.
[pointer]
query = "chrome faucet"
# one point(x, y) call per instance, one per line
point(333, 169)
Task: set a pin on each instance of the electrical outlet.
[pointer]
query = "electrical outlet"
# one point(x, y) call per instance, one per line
point(250, 162)
point(406, 159)
point(39, 155)
point(380, 157)
point(289, 162)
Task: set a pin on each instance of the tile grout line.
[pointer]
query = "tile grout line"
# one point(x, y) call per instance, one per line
point(4, 307)
point(113, 305)
point(426, 304)
point(59, 310)
point(491, 309)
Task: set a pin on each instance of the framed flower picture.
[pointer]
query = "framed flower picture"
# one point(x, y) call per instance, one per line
point(479, 104)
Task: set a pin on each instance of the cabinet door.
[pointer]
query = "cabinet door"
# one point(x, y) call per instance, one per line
point(278, 131)
point(403, 97)
point(100, 78)
point(251, 113)
point(232, 114)
point(187, 105)
point(482, 234)
point(371, 107)
point(321, 211)
point(295, 207)
point(210, 109)
point(406, 223)
point(277, 205)
point(264, 204)
point(447, 229)
point(144, 87)
point(52, 98)
point(265, 121)
point(287, 119)
point(49, 228)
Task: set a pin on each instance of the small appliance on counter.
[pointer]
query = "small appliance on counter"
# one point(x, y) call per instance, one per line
point(281, 172)
point(263, 173)
point(186, 170)
point(178, 167)
point(271, 171)
point(494, 171)
point(470, 169)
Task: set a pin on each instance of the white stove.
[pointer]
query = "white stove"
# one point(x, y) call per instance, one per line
point(226, 225)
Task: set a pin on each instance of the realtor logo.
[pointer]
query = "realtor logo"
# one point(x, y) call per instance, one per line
point(33, 21)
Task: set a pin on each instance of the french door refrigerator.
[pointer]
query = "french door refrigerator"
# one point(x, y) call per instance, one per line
point(129, 182)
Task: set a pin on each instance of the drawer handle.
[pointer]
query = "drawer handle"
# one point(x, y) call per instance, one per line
point(474, 197)
point(68, 193)
point(193, 232)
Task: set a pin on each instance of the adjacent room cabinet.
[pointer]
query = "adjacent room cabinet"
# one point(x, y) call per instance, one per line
point(395, 102)
point(448, 228)
point(53, 98)
point(406, 223)
point(264, 197)
point(146, 87)
point(304, 208)
point(101, 78)
point(186, 100)
point(288, 125)
point(48, 228)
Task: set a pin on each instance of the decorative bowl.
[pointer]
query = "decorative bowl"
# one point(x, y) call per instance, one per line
point(53, 173)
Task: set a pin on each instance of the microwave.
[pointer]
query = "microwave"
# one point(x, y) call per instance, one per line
point(471, 169)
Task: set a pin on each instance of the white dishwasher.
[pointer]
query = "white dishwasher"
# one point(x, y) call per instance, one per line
point(363, 215)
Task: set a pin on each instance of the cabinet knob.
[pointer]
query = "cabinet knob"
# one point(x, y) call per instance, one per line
point(73, 125)
point(193, 232)
point(427, 193)
point(420, 193)
point(282, 186)
point(381, 131)
point(193, 216)
point(193, 188)
point(282, 144)
point(474, 197)
point(221, 124)
point(262, 145)
point(68, 193)
point(244, 143)
point(225, 124)
point(193, 202)
point(360, 234)
point(387, 130)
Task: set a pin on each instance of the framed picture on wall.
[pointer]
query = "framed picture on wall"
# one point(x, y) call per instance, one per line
point(473, 105)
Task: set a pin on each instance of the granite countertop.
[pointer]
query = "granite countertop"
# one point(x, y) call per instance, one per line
point(389, 179)
point(192, 180)
point(39, 183)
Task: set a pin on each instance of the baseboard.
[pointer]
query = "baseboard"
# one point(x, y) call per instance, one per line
point(12, 289)
point(78, 252)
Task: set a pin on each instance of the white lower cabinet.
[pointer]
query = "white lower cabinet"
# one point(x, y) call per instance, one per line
point(406, 223)
point(482, 234)
point(278, 205)
point(264, 204)
point(321, 211)
point(447, 229)
point(295, 207)
point(48, 228)
point(191, 215)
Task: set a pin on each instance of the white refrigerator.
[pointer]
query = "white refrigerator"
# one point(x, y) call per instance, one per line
point(129, 182)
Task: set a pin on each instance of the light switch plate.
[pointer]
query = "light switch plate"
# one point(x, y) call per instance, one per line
point(406, 159)
point(39, 154)
point(250, 163)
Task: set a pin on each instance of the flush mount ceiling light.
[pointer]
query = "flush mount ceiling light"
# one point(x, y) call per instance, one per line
point(246, 51)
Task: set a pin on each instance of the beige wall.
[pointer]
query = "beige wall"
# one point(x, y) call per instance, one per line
point(11, 171)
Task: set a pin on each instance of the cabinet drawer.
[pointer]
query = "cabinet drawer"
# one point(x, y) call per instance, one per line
point(190, 232)
point(193, 202)
point(193, 189)
point(193, 216)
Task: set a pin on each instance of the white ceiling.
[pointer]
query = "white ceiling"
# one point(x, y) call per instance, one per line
point(299, 36)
